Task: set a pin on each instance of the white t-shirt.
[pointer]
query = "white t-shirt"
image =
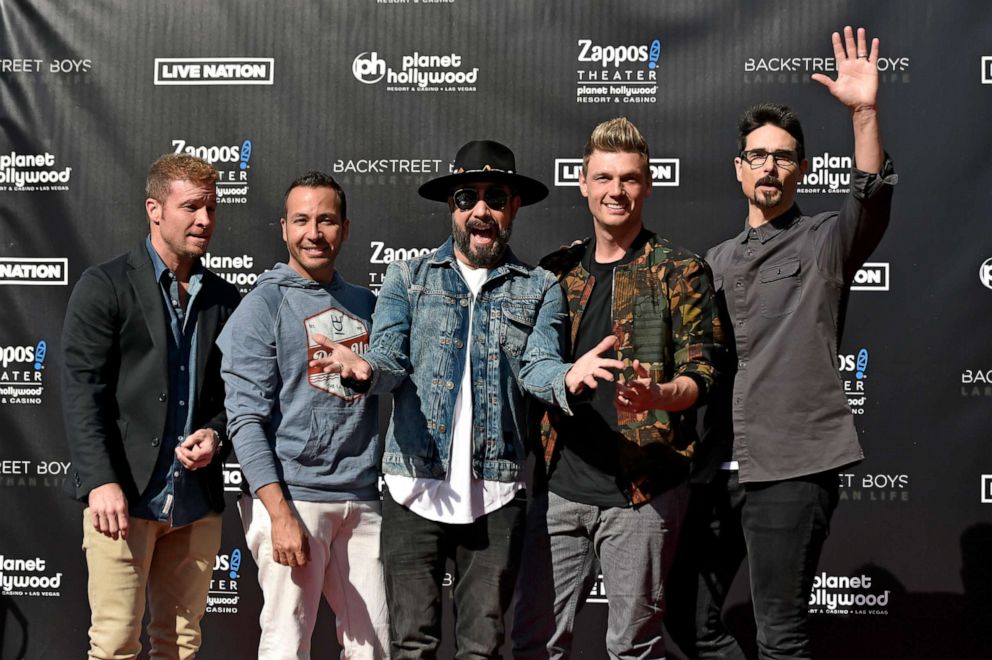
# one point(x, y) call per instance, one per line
point(459, 498)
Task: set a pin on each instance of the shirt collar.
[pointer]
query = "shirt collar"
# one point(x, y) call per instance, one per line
point(636, 248)
point(195, 274)
point(773, 227)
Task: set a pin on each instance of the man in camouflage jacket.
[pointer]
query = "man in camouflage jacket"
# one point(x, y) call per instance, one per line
point(612, 485)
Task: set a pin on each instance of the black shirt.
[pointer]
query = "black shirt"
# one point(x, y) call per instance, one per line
point(587, 469)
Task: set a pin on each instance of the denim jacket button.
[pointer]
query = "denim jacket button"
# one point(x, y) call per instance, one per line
point(463, 302)
point(450, 385)
point(442, 428)
point(459, 343)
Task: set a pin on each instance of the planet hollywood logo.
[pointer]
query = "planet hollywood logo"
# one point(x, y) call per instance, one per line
point(876, 487)
point(624, 73)
point(386, 171)
point(383, 255)
point(854, 375)
point(664, 171)
point(232, 162)
point(985, 273)
point(34, 271)
point(38, 172)
point(842, 594)
point(343, 328)
point(827, 174)
point(223, 597)
point(21, 370)
point(214, 70)
point(976, 383)
point(417, 73)
point(29, 577)
point(239, 270)
point(799, 69)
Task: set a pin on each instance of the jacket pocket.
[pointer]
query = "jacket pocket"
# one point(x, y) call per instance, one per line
point(779, 288)
point(515, 327)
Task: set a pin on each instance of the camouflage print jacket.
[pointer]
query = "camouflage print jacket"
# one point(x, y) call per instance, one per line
point(664, 314)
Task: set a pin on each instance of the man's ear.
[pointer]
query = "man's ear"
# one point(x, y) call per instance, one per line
point(153, 208)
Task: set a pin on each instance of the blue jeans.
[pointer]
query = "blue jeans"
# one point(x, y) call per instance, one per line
point(635, 547)
point(486, 555)
point(785, 525)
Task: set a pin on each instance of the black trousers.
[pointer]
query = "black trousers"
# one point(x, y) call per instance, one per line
point(781, 526)
point(486, 556)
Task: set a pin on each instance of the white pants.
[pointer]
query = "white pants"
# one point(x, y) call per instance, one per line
point(344, 566)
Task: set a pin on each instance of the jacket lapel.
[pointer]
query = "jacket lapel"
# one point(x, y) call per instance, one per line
point(141, 274)
point(207, 319)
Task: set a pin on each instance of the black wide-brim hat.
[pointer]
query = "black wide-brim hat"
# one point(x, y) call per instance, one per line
point(484, 160)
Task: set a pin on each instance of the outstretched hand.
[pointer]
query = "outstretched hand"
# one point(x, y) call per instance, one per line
point(340, 359)
point(592, 367)
point(857, 72)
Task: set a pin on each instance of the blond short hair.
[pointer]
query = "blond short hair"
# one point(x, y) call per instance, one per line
point(617, 135)
point(177, 167)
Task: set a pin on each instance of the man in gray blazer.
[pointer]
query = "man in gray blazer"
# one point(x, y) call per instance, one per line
point(144, 416)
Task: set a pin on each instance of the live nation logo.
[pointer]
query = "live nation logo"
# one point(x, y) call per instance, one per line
point(214, 70)
point(664, 171)
point(34, 270)
point(872, 277)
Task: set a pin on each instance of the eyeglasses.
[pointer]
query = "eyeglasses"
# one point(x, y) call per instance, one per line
point(494, 197)
point(758, 157)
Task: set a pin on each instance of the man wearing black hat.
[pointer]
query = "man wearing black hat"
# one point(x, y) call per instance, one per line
point(458, 337)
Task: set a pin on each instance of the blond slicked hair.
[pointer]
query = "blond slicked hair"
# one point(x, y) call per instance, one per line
point(618, 135)
point(177, 167)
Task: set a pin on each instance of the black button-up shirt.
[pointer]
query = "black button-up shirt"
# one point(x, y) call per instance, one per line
point(785, 285)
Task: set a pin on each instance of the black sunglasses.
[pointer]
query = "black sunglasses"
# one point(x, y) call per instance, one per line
point(494, 197)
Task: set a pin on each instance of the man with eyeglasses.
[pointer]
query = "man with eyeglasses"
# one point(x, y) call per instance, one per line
point(777, 438)
point(611, 487)
point(458, 337)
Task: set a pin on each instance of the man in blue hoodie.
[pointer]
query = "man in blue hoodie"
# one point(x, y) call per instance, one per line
point(307, 443)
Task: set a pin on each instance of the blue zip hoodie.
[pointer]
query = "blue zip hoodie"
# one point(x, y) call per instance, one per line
point(290, 424)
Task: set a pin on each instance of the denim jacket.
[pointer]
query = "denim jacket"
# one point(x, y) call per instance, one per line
point(417, 352)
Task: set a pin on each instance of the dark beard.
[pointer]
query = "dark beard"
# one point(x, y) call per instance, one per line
point(484, 257)
point(767, 200)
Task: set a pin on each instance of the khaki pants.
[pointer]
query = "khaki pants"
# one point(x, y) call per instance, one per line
point(174, 563)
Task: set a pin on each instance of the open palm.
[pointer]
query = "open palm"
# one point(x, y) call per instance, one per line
point(857, 73)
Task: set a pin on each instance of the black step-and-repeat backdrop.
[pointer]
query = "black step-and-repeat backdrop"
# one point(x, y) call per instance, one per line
point(381, 94)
